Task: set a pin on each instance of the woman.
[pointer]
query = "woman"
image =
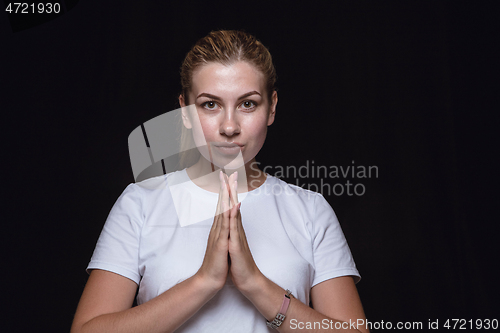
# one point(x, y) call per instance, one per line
point(271, 248)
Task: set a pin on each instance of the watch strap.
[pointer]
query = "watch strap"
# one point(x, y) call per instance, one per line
point(280, 317)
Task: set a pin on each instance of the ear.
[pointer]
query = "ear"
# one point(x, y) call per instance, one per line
point(185, 116)
point(272, 111)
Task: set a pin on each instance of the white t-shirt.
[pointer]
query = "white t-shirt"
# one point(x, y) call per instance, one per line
point(293, 233)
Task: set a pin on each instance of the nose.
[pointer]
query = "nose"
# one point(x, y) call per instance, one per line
point(229, 125)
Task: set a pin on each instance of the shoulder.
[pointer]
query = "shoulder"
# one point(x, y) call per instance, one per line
point(290, 192)
point(300, 202)
point(155, 185)
point(147, 192)
point(312, 203)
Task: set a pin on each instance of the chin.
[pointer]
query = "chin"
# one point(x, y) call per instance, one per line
point(228, 161)
point(234, 165)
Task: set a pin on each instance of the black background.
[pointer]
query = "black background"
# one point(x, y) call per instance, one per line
point(410, 87)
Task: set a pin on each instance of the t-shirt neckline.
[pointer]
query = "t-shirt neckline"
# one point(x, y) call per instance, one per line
point(202, 190)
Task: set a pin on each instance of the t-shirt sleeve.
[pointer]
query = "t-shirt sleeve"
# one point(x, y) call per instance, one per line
point(332, 256)
point(117, 249)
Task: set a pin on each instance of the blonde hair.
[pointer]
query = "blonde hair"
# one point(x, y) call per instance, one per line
point(225, 47)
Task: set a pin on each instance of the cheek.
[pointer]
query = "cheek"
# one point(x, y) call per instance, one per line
point(202, 138)
point(203, 128)
point(198, 135)
point(207, 129)
point(258, 131)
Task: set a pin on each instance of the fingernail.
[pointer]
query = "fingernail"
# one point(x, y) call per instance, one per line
point(235, 184)
point(236, 174)
point(239, 205)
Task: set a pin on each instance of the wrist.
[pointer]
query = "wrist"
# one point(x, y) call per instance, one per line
point(206, 284)
point(255, 285)
point(266, 295)
point(281, 316)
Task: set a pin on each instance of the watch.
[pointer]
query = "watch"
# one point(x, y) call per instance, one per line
point(280, 317)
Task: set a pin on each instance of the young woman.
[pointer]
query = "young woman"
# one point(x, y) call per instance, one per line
point(271, 249)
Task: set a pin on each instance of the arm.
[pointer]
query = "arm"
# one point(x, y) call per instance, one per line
point(334, 300)
point(105, 305)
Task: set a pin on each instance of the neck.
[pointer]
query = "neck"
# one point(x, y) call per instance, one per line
point(206, 175)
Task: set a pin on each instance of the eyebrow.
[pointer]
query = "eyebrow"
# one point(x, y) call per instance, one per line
point(218, 98)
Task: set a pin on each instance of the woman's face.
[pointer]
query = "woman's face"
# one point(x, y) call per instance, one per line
point(233, 111)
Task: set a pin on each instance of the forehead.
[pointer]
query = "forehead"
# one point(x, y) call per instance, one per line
point(236, 78)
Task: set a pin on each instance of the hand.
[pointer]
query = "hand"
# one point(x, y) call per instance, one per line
point(243, 270)
point(215, 266)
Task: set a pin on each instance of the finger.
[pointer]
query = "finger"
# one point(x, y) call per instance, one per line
point(234, 188)
point(227, 182)
point(233, 225)
point(219, 200)
point(224, 231)
point(239, 225)
point(216, 225)
point(225, 192)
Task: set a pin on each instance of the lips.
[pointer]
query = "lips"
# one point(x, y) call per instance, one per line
point(228, 144)
point(228, 147)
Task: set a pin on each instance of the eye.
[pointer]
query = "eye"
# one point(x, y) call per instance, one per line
point(210, 105)
point(248, 105)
